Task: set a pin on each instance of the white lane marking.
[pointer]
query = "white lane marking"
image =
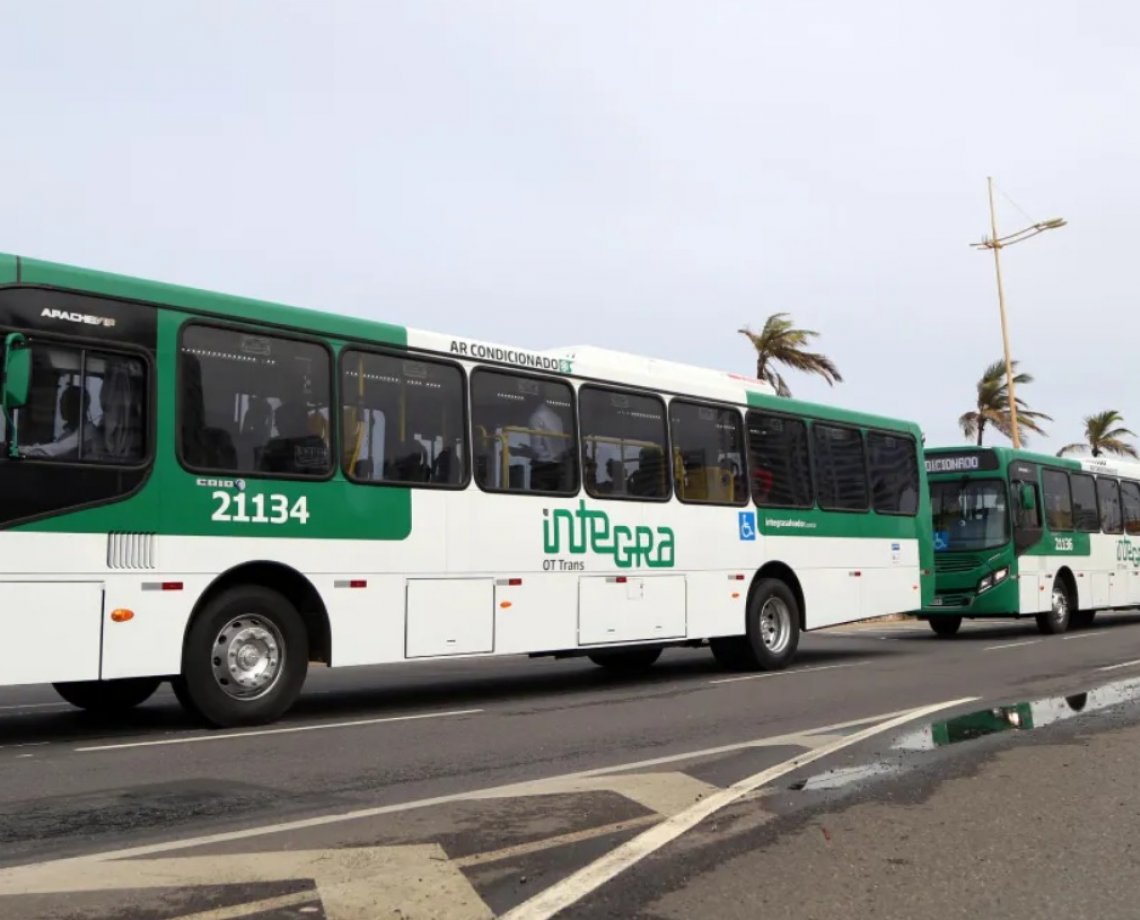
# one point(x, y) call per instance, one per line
point(1093, 635)
point(791, 673)
point(1123, 664)
point(570, 890)
point(994, 648)
point(277, 731)
point(489, 792)
point(36, 706)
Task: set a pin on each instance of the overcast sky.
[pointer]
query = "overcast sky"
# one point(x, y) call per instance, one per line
point(647, 176)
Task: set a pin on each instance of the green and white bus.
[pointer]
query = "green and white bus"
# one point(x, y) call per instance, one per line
point(219, 491)
point(1018, 534)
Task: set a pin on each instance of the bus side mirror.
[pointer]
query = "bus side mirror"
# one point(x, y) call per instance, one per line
point(1028, 499)
point(17, 371)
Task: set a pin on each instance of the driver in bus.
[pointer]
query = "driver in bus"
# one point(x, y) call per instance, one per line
point(74, 405)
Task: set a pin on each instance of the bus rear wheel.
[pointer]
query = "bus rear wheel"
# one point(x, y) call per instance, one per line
point(626, 659)
point(108, 697)
point(773, 624)
point(1057, 619)
point(245, 658)
point(945, 627)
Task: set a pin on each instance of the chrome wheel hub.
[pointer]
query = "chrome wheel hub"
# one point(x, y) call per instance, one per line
point(775, 625)
point(248, 653)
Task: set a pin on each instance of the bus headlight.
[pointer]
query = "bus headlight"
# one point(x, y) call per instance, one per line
point(994, 578)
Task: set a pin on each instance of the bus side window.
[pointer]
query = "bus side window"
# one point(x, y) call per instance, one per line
point(840, 468)
point(1108, 498)
point(894, 473)
point(524, 435)
point(708, 440)
point(404, 420)
point(1130, 498)
point(1086, 517)
point(778, 461)
point(624, 440)
point(254, 403)
point(1058, 501)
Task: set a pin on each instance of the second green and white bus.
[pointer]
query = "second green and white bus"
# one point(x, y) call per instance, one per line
point(1019, 534)
point(218, 491)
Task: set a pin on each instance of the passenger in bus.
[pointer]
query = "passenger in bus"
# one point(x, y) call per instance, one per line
point(547, 449)
point(648, 479)
point(74, 409)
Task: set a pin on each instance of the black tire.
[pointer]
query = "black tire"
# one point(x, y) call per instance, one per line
point(627, 659)
point(245, 658)
point(1057, 620)
point(945, 627)
point(1082, 619)
point(773, 624)
point(109, 697)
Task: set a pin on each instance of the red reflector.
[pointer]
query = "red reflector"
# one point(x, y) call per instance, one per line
point(172, 586)
point(621, 579)
point(738, 577)
point(358, 583)
point(514, 582)
point(856, 574)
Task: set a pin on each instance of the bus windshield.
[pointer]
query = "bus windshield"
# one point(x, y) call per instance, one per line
point(969, 514)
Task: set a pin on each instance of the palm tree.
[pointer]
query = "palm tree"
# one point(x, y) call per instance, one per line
point(779, 342)
point(993, 405)
point(1102, 438)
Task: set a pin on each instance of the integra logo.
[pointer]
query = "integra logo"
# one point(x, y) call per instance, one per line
point(88, 318)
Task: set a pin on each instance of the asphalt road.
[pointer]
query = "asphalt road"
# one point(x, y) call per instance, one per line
point(521, 788)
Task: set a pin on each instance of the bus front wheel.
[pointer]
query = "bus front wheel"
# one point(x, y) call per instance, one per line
point(945, 626)
point(245, 658)
point(1057, 619)
point(108, 697)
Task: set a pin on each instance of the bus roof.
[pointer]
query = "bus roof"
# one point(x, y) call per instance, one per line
point(583, 361)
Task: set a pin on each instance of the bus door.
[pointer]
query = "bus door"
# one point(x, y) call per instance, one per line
point(1026, 519)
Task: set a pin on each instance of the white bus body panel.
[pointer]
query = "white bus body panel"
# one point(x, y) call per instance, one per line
point(57, 625)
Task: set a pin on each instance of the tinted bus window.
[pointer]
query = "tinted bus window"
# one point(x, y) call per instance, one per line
point(893, 463)
point(707, 454)
point(1108, 498)
point(840, 468)
point(624, 444)
point(523, 431)
point(1130, 494)
point(1085, 517)
point(403, 420)
point(778, 461)
point(84, 406)
point(1058, 501)
point(252, 403)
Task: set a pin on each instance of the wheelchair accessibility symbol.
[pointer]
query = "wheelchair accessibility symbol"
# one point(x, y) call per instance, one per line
point(747, 525)
point(941, 541)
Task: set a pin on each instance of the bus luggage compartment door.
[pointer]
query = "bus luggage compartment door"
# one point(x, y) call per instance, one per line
point(633, 608)
point(52, 631)
point(450, 616)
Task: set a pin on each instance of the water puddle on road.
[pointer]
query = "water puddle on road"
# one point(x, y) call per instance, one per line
point(843, 776)
point(1018, 717)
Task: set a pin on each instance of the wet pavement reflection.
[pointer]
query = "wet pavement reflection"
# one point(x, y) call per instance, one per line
point(1017, 717)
